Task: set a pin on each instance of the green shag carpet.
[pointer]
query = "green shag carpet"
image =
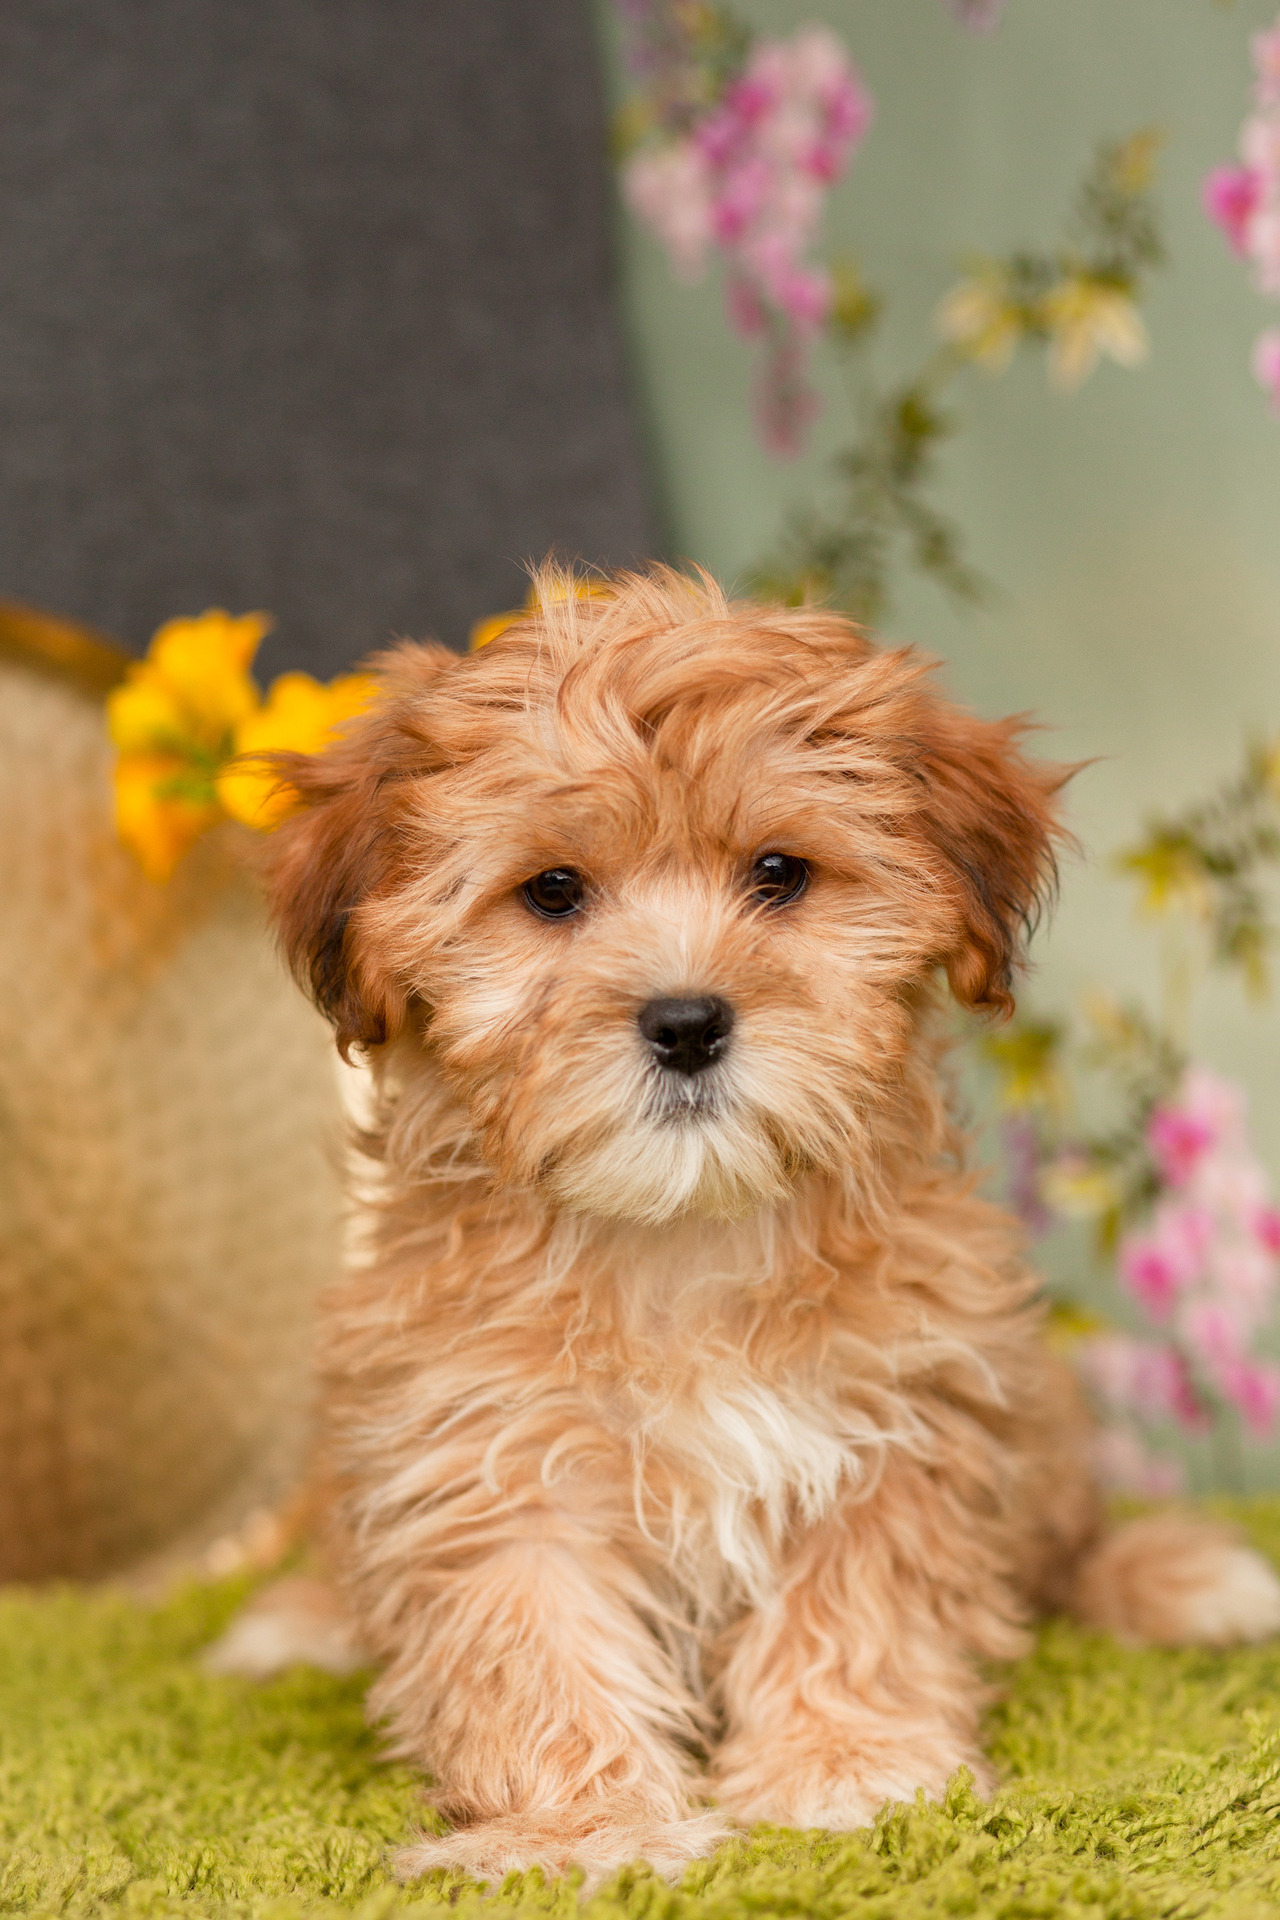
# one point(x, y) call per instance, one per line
point(133, 1784)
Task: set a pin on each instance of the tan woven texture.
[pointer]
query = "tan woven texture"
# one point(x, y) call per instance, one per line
point(169, 1138)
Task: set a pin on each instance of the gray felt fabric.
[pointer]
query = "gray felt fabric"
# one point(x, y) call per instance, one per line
point(305, 305)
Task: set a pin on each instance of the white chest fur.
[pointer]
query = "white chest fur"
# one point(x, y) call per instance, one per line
point(731, 1452)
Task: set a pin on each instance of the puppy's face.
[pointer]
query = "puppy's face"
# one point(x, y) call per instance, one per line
point(660, 882)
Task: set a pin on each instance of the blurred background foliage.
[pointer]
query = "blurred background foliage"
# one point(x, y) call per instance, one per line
point(1098, 548)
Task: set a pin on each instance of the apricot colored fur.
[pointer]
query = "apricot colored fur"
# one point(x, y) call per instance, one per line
point(699, 1437)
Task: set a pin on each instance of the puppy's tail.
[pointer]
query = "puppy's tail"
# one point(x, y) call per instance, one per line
point(1176, 1579)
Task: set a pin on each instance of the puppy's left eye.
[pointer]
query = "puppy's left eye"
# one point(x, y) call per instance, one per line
point(778, 878)
point(556, 893)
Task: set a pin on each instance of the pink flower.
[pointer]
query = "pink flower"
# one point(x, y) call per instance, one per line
point(1266, 364)
point(1245, 200)
point(1264, 248)
point(1177, 1139)
point(1159, 1265)
point(1253, 1387)
point(744, 307)
point(1231, 196)
point(1124, 1464)
point(749, 177)
point(1232, 1185)
point(741, 195)
point(785, 403)
point(1022, 1161)
point(1146, 1271)
point(1265, 48)
point(804, 295)
point(669, 188)
point(825, 160)
point(1219, 1103)
point(749, 99)
point(1260, 148)
point(1142, 1377)
point(1217, 1332)
point(850, 111)
point(1244, 1274)
point(819, 65)
point(1207, 1265)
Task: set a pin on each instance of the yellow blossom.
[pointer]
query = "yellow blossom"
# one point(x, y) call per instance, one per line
point(158, 816)
point(1070, 1323)
point(299, 715)
point(1079, 1189)
point(854, 307)
point(1133, 162)
point(566, 586)
point(1171, 874)
point(187, 709)
point(980, 317)
point(486, 630)
point(172, 722)
point(1086, 317)
point(144, 713)
point(194, 686)
point(1027, 1058)
point(1271, 768)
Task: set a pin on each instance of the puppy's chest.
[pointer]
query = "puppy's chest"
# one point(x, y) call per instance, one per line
point(730, 1453)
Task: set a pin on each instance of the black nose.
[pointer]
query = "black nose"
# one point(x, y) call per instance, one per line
point(686, 1035)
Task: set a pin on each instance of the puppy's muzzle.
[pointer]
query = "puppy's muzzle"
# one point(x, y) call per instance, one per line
point(686, 1036)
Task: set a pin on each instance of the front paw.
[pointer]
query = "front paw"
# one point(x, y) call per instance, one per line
point(839, 1779)
point(599, 1839)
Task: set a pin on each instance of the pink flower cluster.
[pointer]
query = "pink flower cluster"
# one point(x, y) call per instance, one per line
point(749, 178)
point(1245, 200)
point(1205, 1269)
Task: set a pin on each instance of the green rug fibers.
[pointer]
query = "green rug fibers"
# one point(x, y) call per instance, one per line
point(131, 1783)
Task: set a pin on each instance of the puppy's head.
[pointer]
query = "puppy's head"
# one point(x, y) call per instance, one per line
point(660, 881)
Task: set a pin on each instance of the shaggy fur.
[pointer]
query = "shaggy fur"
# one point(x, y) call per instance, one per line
point(688, 1436)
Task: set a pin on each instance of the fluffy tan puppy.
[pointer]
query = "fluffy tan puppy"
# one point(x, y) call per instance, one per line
point(689, 1429)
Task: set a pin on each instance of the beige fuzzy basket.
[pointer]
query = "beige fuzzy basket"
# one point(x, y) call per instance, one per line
point(169, 1137)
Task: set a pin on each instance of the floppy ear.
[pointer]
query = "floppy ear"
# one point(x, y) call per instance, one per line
point(991, 814)
point(343, 846)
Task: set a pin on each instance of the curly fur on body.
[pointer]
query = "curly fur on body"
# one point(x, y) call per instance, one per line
point(687, 1435)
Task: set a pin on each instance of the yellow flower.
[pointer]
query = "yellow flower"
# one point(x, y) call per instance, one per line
point(173, 721)
point(156, 817)
point(486, 630)
point(1171, 874)
point(1027, 1058)
point(299, 715)
point(194, 686)
point(144, 713)
point(1132, 164)
point(566, 585)
point(854, 307)
point(1086, 317)
point(1076, 1187)
point(1271, 768)
point(187, 709)
point(1070, 1323)
point(980, 317)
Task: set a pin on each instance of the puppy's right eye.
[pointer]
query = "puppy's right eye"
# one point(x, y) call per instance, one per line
point(556, 893)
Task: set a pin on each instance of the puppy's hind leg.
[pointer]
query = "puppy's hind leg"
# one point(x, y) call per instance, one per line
point(296, 1621)
point(1177, 1579)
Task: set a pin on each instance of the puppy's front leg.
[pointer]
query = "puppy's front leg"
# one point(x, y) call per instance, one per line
point(550, 1715)
point(855, 1684)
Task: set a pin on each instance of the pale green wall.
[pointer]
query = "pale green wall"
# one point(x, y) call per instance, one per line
point(1135, 527)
